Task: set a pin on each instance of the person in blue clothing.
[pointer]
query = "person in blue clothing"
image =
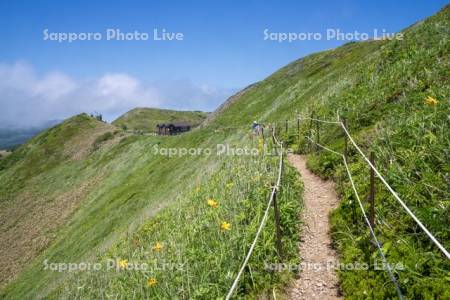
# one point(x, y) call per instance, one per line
point(255, 127)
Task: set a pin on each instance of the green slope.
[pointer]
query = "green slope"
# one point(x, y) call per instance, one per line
point(378, 86)
point(131, 183)
point(42, 184)
point(146, 119)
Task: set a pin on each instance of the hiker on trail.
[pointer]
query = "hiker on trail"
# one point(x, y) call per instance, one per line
point(255, 127)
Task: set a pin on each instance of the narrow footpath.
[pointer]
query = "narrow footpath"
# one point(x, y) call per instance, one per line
point(317, 279)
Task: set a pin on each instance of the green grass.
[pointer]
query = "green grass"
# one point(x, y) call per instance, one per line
point(378, 86)
point(146, 119)
point(135, 185)
point(190, 234)
point(387, 113)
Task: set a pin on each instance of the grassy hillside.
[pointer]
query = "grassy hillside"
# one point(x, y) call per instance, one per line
point(382, 89)
point(146, 207)
point(183, 243)
point(120, 183)
point(146, 119)
point(43, 182)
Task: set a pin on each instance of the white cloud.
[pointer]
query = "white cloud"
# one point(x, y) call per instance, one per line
point(120, 85)
point(54, 86)
point(27, 99)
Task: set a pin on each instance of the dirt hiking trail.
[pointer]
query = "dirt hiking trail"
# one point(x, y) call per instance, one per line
point(316, 280)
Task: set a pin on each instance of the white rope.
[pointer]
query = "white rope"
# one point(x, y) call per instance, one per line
point(385, 263)
point(261, 225)
point(392, 277)
point(435, 241)
point(372, 232)
point(429, 234)
point(322, 146)
point(317, 120)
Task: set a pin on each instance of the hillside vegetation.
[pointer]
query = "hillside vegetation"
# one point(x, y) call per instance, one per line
point(146, 119)
point(122, 184)
point(43, 183)
point(395, 98)
point(152, 208)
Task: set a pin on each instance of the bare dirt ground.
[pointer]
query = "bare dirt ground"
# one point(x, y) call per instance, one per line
point(317, 279)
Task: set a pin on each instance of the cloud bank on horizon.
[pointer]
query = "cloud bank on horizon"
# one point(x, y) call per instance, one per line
point(28, 99)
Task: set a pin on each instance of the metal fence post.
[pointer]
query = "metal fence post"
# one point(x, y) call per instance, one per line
point(286, 129)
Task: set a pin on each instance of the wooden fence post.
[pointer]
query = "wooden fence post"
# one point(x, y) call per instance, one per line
point(372, 192)
point(273, 134)
point(277, 225)
point(311, 147)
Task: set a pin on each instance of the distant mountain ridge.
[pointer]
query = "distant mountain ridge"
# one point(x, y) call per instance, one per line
point(13, 137)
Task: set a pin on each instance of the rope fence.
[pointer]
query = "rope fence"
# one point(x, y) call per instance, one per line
point(368, 220)
point(372, 232)
point(348, 136)
point(272, 198)
point(431, 236)
point(383, 180)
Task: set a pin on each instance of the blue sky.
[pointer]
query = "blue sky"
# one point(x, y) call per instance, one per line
point(223, 49)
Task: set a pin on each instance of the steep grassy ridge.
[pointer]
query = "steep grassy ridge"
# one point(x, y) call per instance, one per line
point(389, 112)
point(130, 184)
point(189, 253)
point(146, 119)
point(383, 90)
point(42, 184)
point(125, 183)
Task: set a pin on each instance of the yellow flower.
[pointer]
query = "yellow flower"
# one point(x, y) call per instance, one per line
point(152, 281)
point(431, 101)
point(123, 263)
point(212, 203)
point(225, 226)
point(158, 247)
